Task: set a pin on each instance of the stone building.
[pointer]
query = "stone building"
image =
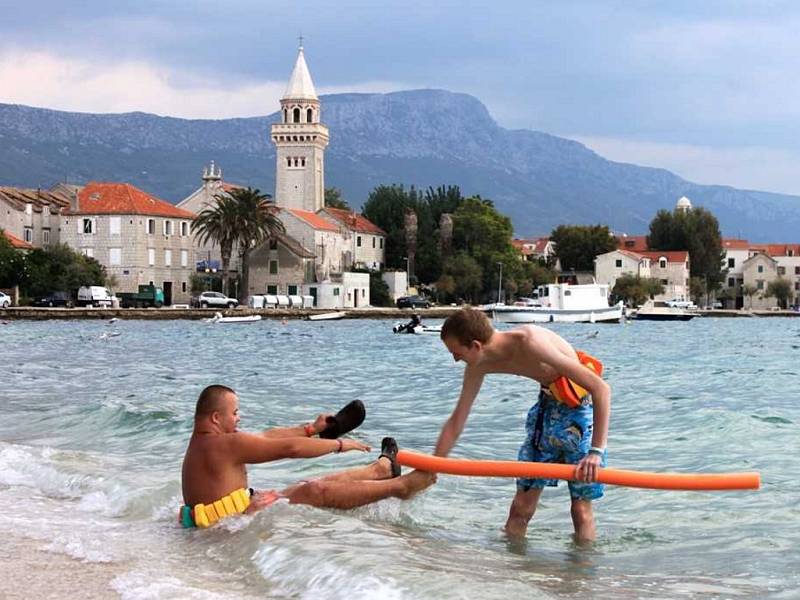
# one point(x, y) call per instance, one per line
point(366, 239)
point(208, 254)
point(139, 238)
point(670, 267)
point(32, 215)
point(300, 140)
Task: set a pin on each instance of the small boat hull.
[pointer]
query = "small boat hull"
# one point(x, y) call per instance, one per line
point(330, 316)
point(234, 320)
point(539, 314)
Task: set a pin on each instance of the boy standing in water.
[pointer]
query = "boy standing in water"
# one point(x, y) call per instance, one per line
point(555, 432)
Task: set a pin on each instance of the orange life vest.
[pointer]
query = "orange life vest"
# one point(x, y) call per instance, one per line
point(567, 391)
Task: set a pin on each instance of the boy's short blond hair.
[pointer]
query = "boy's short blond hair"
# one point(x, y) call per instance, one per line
point(468, 325)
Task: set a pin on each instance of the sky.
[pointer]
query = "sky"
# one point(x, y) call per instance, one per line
point(707, 89)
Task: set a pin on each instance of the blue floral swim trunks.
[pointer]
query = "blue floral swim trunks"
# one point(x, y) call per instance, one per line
point(558, 434)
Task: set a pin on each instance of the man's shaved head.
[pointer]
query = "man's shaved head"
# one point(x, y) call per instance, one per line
point(211, 399)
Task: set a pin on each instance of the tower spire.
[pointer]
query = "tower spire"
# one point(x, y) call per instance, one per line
point(300, 87)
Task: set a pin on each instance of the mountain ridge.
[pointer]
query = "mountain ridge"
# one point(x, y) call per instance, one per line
point(412, 137)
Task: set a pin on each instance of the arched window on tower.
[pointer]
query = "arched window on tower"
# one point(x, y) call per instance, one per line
point(302, 162)
point(295, 162)
point(285, 116)
point(288, 162)
point(296, 115)
point(310, 115)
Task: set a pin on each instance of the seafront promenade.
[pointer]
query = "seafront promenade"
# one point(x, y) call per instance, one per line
point(169, 313)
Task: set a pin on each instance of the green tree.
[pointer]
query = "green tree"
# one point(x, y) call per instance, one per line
point(12, 264)
point(698, 290)
point(386, 207)
point(781, 290)
point(59, 268)
point(378, 290)
point(576, 246)
point(636, 290)
point(256, 224)
point(219, 224)
point(749, 290)
point(695, 230)
point(467, 275)
point(334, 199)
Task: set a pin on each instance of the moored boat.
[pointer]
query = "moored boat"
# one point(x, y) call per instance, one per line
point(329, 316)
point(561, 303)
point(218, 318)
point(650, 312)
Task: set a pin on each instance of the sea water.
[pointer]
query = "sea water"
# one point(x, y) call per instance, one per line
point(96, 416)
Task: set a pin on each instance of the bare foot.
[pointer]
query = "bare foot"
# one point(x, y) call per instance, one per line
point(416, 481)
point(384, 467)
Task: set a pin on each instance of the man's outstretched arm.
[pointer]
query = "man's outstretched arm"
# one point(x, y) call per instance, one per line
point(249, 448)
point(454, 425)
point(305, 430)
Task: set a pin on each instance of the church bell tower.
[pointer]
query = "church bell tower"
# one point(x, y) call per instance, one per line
point(300, 140)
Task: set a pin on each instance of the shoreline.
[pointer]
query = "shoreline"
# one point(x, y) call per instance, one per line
point(41, 573)
point(168, 313)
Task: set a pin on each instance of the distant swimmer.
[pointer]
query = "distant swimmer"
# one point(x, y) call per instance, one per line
point(568, 423)
point(214, 478)
point(593, 335)
point(112, 320)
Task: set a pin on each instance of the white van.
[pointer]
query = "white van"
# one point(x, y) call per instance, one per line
point(94, 295)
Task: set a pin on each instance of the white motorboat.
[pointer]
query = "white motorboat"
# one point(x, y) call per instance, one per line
point(329, 316)
point(218, 318)
point(650, 312)
point(561, 303)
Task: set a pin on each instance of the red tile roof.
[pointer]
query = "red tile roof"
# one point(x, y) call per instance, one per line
point(634, 243)
point(673, 256)
point(735, 244)
point(783, 249)
point(355, 221)
point(537, 246)
point(98, 198)
point(16, 242)
point(316, 221)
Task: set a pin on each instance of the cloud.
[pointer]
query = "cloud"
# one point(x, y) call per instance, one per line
point(746, 167)
point(45, 80)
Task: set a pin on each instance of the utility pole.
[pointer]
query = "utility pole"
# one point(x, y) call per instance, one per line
point(500, 282)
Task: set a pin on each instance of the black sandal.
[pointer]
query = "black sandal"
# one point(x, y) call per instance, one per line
point(347, 419)
point(389, 450)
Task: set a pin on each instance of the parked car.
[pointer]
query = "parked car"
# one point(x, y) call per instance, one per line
point(675, 303)
point(94, 295)
point(5, 300)
point(413, 302)
point(213, 299)
point(54, 299)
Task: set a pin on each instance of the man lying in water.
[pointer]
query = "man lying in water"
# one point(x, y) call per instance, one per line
point(214, 466)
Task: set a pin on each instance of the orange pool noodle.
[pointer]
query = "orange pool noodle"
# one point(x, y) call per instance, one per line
point(640, 479)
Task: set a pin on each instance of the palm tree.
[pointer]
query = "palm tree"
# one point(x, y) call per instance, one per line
point(219, 224)
point(256, 224)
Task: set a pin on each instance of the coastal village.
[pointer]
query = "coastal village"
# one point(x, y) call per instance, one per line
point(323, 254)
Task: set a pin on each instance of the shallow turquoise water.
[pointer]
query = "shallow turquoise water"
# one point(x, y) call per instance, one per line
point(94, 427)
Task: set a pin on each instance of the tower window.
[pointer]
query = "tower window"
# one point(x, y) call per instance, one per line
point(296, 115)
point(310, 116)
point(288, 162)
point(303, 162)
point(295, 162)
point(285, 116)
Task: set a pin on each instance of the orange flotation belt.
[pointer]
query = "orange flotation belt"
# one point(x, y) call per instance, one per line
point(639, 479)
point(567, 391)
